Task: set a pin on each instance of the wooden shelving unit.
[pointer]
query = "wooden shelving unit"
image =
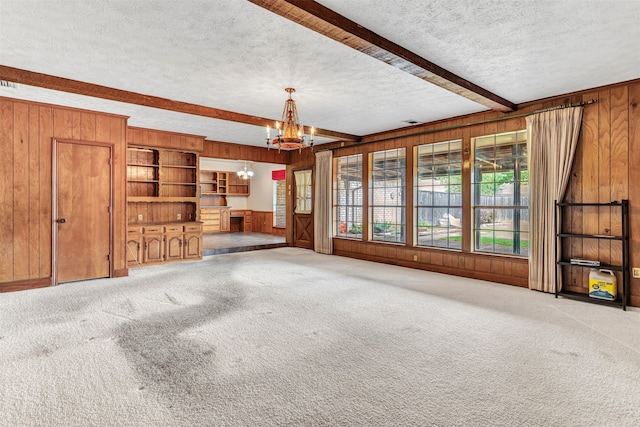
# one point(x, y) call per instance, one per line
point(162, 205)
point(215, 186)
point(623, 266)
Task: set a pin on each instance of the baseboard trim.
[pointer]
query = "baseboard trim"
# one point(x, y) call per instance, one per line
point(23, 285)
point(122, 272)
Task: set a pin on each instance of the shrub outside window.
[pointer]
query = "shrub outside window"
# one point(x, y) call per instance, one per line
point(500, 191)
point(347, 187)
point(438, 195)
point(387, 202)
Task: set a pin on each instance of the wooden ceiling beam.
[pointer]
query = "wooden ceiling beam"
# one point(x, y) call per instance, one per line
point(325, 21)
point(46, 81)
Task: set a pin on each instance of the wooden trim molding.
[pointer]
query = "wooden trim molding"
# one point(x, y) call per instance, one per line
point(23, 285)
point(325, 21)
point(31, 78)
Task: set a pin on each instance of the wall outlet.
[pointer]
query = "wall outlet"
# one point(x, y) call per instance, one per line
point(139, 217)
point(179, 216)
point(415, 257)
point(636, 273)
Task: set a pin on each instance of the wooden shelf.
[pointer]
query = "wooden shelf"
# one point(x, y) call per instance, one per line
point(143, 180)
point(152, 199)
point(179, 183)
point(144, 165)
point(179, 166)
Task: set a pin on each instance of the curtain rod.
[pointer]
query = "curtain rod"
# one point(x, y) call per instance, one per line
point(481, 122)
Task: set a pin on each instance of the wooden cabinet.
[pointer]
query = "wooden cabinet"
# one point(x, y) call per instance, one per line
point(192, 242)
point(173, 236)
point(134, 246)
point(152, 244)
point(162, 198)
point(215, 219)
point(225, 219)
point(245, 218)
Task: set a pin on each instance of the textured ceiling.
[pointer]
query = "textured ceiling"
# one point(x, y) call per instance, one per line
point(237, 56)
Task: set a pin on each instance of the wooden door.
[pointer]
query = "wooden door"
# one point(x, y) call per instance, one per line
point(82, 189)
point(192, 246)
point(173, 248)
point(153, 248)
point(303, 209)
point(225, 222)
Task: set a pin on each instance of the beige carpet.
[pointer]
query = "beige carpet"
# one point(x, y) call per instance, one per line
point(289, 337)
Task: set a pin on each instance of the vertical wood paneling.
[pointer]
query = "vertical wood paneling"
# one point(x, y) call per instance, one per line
point(6, 191)
point(634, 190)
point(21, 191)
point(590, 163)
point(88, 127)
point(34, 190)
point(619, 148)
point(604, 174)
point(46, 131)
point(27, 130)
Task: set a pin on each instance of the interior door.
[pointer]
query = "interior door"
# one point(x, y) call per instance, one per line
point(82, 186)
point(303, 209)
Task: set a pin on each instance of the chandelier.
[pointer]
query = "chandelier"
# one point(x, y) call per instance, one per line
point(245, 173)
point(289, 131)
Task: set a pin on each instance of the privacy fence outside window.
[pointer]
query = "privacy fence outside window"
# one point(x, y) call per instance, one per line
point(387, 204)
point(438, 195)
point(500, 191)
point(490, 195)
point(347, 187)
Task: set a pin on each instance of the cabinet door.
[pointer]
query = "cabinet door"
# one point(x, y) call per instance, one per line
point(134, 250)
point(173, 247)
point(153, 248)
point(192, 246)
point(224, 220)
point(247, 221)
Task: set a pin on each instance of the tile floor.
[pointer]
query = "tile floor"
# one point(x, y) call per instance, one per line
point(224, 243)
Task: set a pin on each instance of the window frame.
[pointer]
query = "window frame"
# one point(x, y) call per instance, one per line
point(447, 224)
point(480, 211)
point(382, 232)
point(351, 230)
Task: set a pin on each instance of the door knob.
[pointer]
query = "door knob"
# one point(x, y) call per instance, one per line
point(62, 220)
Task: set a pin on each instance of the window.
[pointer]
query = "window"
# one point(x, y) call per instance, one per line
point(303, 192)
point(347, 197)
point(500, 189)
point(438, 195)
point(280, 203)
point(386, 197)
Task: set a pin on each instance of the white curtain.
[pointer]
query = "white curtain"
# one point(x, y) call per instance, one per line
point(322, 239)
point(552, 137)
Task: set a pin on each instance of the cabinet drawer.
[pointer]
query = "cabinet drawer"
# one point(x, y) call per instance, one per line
point(210, 215)
point(173, 229)
point(153, 229)
point(134, 230)
point(195, 228)
point(211, 228)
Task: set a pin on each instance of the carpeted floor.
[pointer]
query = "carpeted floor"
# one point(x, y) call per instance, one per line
point(289, 337)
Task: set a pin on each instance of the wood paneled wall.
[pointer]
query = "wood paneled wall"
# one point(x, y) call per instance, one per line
point(607, 160)
point(229, 151)
point(27, 130)
point(164, 139)
point(262, 222)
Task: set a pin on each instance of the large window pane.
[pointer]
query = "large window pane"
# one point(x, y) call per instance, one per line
point(438, 195)
point(386, 198)
point(500, 191)
point(347, 198)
